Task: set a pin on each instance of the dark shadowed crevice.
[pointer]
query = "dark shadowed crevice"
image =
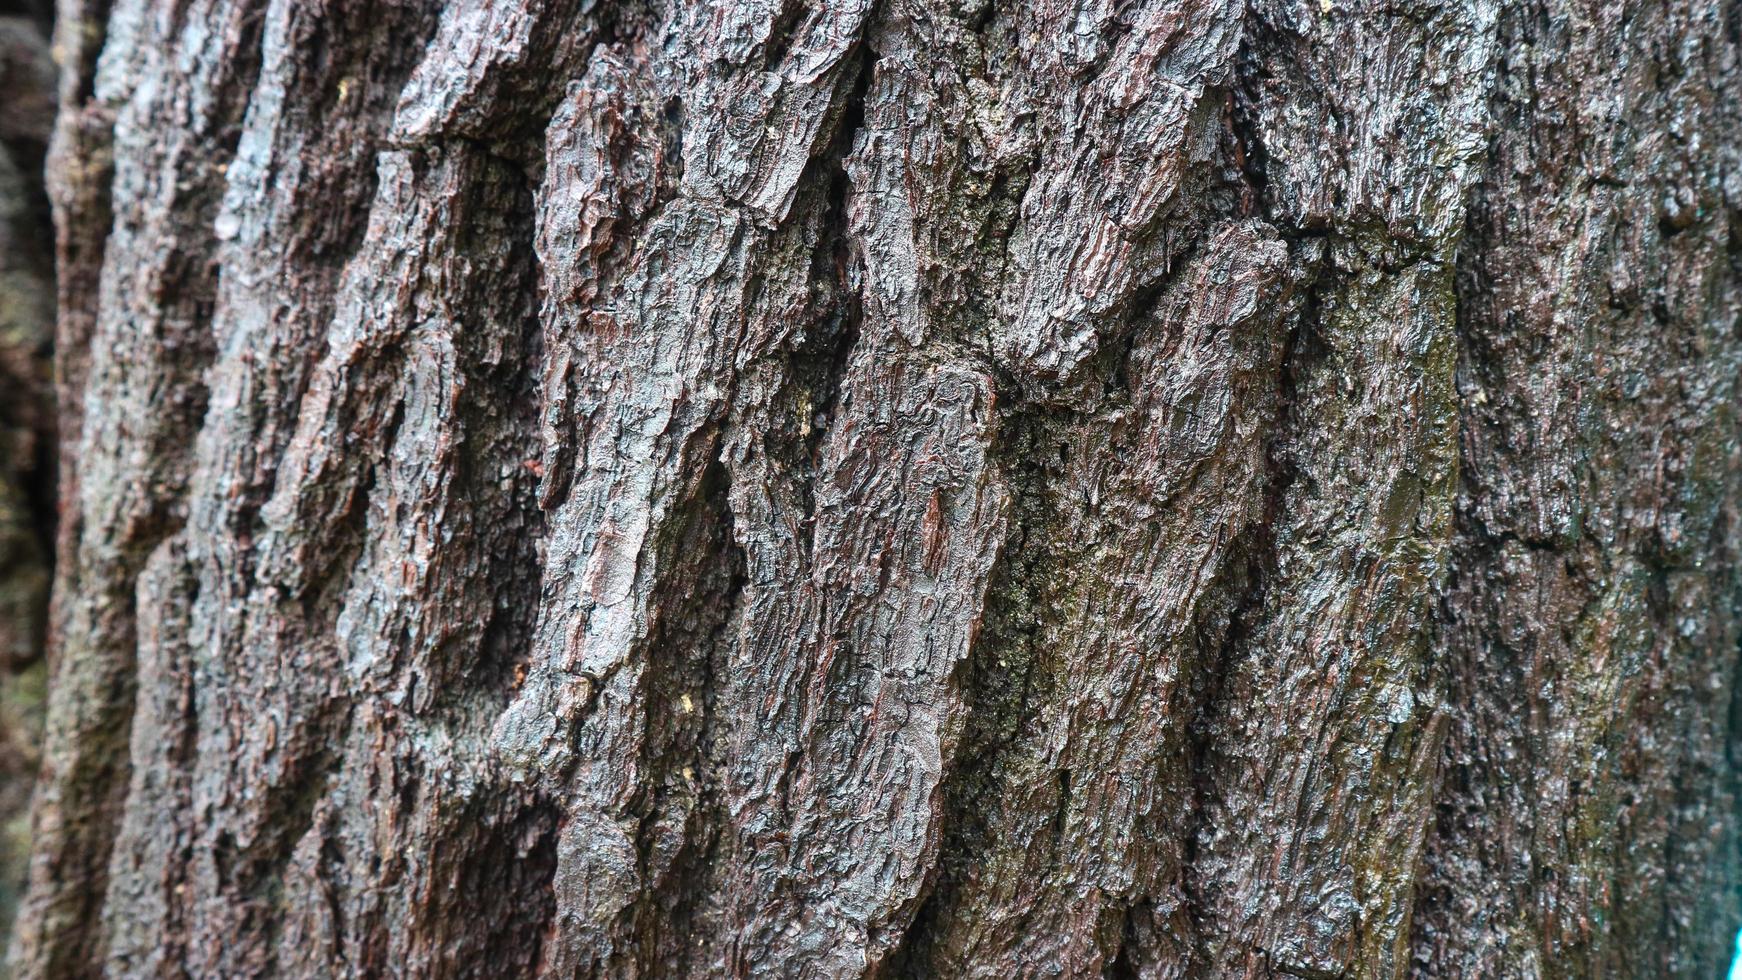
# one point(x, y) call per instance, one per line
point(260, 869)
point(1004, 675)
point(1225, 626)
point(513, 863)
point(811, 379)
point(1011, 670)
point(789, 16)
point(685, 836)
point(79, 66)
point(501, 835)
point(1472, 553)
point(1122, 966)
point(680, 810)
point(496, 464)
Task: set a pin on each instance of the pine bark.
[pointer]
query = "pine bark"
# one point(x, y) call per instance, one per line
point(847, 488)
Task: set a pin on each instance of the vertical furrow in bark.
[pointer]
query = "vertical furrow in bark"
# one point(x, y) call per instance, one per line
point(1067, 810)
point(858, 609)
point(836, 813)
point(934, 488)
point(681, 818)
point(1083, 827)
point(1307, 843)
point(1590, 632)
point(700, 150)
point(1324, 745)
point(412, 810)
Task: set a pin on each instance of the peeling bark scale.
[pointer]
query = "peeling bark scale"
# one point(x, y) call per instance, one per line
point(886, 488)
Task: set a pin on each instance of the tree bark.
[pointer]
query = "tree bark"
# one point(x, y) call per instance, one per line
point(27, 438)
point(845, 488)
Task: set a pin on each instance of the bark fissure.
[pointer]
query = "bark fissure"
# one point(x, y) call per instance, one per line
point(834, 488)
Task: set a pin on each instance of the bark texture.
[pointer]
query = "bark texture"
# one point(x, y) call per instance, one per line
point(846, 488)
point(27, 476)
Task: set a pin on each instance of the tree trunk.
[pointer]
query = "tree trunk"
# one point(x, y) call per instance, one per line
point(26, 422)
point(903, 488)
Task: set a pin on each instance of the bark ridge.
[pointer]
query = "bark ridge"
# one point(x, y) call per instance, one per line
point(847, 488)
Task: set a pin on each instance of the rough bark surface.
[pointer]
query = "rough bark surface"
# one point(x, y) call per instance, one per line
point(844, 488)
point(27, 476)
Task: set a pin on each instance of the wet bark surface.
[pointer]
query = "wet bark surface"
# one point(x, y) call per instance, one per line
point(1168, 488)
